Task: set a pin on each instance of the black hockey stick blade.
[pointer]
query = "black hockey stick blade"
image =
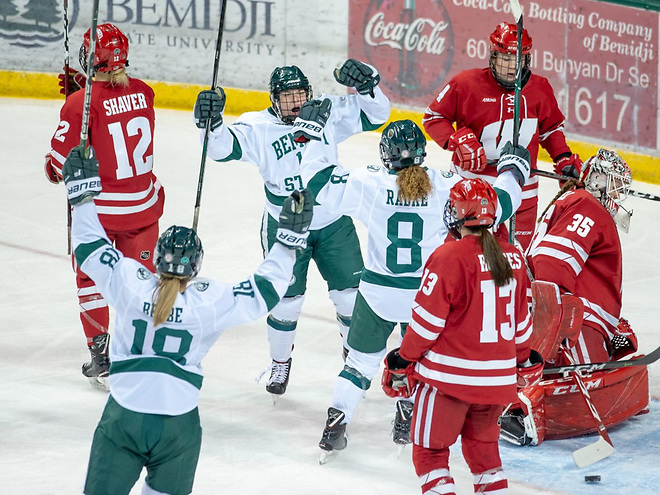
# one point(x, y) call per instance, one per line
point(552, 175)
point(649, 358)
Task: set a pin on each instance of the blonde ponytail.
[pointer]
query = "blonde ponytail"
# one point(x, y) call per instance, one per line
point(164, 296)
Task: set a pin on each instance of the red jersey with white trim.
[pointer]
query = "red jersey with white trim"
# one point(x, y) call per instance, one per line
point(475, 100)
point(121, 130)
point(466, 335)
point(577, 246)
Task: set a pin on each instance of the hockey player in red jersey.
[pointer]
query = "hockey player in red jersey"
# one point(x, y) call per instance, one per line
point(576, 249)
point(480, 102)
point(469, 342)
point(121, 129)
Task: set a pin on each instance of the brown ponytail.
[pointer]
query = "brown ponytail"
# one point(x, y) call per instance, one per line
point(414, 184)
point(164, 296)
point(499, 266)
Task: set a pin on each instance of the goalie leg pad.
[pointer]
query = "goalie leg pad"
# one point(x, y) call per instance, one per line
point(524, 423)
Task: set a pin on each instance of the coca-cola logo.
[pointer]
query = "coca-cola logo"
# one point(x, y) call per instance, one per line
point(412, 47)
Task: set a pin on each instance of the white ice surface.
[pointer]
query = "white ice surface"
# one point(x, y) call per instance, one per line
point(48, 411)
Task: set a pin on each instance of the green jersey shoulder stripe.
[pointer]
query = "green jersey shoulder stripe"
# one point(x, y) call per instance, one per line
point(236, 150)
point(156, 365)
point(367, 125)
point(267, 291)
point(83, 251)
point(411, 283)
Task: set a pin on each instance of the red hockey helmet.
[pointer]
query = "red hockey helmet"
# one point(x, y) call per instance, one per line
point(110, 49)
point(503, 44)
point(473, 203)
point(505, 39)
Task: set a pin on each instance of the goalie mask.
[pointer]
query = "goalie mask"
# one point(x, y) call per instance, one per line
point(608, 178)
point(178, 252)
point(473, 203)
point(110, 49)
point(503, 46)
point(289, 90)
point(402, 144)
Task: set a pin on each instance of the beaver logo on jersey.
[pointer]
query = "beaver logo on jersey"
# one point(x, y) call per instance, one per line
point(143, 274)
point(373, 168)
point(446, 175)
point(201, 286)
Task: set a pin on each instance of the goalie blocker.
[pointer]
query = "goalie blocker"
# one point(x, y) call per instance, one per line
point(555, 408)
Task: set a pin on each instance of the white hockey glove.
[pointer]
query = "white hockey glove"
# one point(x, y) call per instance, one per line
point(515, 159)
point(81, 176)
point(311, 120)
point(295, 218)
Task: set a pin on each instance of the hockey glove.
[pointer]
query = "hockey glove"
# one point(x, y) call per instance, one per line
point(51, 174)
point(514, 159)
point(81, 176)
point(568, 165)
point(398, 379)
point(355, 74)
point(295, 217)
point(311, 120)
point(209, 105)
point(77, 81)
point(530, 372)
point(468, 152)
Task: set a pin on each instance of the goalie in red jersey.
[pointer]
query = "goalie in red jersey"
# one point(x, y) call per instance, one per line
point(467, 344)
point(480, 102)
point(576, 260)
point(121, 130)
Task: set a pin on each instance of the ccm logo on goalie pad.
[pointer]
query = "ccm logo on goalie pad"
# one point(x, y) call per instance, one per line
point(291, 240)
point(82, 186)
point(574, 389)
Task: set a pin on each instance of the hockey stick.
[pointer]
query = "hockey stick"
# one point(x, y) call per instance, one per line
point(587, 368)
point(553, 175)
point(202, 165)
point(516, 10)
point(66, 95)
point(84, 130)
point(603, 447)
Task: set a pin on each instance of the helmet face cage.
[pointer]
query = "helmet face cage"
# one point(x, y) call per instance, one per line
point(179, 252)
point(473, 203)
point(402, 144)
point(608, 178)
point(286, 78)
point(504, 40)
point(110, 49)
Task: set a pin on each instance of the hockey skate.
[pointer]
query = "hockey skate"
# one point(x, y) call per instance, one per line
point(279, 378)
point(334, 435)
point(512, 427)
point(401, 429)
point(98, 368)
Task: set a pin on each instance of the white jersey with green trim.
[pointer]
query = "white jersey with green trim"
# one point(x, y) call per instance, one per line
point(262, 139)
point(401, 235)
point(157, 370)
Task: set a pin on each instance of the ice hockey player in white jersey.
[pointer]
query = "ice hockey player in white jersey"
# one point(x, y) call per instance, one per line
point(402, 204)
point(266, 139)
point(165, 325)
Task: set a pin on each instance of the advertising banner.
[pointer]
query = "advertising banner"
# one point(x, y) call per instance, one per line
point(600, 58)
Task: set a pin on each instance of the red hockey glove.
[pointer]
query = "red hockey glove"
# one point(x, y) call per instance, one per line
point(569, 165)
point(49, 170)
point(77, 81)
point(398, 380)
point(468, 152)
point(531, 374)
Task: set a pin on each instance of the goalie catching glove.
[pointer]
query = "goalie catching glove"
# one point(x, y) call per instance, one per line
point(355, 74)
point(77, 81)
point(514, 159)
point(295, 218)
point(398, 379)
point(81, 175)
point(209, 106)
point(468, 152)
point(311, 120)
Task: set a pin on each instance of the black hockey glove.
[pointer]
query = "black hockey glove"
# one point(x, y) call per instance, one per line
point(310, 121)
point(514, 159)
point(209, 105)
point(355, 74)
point(295, 218)
point(81, 176)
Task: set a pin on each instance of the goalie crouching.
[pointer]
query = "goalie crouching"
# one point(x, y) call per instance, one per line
point(576, 259)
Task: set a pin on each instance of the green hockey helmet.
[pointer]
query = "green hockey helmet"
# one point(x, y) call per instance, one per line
point(179, 252)
point(283, 79)
point(402, 144)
